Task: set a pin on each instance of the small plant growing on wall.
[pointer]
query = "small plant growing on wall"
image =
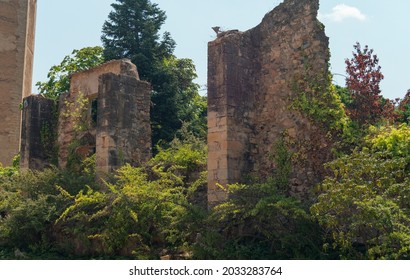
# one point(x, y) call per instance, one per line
point(77, 111)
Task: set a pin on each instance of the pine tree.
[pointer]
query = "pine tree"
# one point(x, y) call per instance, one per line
point(133, 31)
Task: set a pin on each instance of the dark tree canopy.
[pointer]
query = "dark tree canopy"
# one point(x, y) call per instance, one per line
point(133, 31)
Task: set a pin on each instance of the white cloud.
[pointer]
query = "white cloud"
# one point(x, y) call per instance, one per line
point(342, 11)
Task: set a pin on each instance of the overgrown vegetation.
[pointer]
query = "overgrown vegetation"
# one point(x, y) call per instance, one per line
point(364, 206)
point(133, 31)
point(359, 211)
point(59, 75)
point(261, 221)
point(142, 213)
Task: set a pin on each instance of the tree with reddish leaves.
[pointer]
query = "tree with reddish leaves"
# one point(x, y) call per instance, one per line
point(363, 81)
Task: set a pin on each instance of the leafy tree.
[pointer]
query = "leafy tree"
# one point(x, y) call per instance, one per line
point(344, 95)
point(59, 75)
point(404, 109)
point(145, 212)
point(363, 81)
point(176, 100)
point(30, 203)
point(364, 206)
point(132, 31)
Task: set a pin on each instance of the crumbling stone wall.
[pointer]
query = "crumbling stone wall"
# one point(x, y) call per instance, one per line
point(38, 133)
point(250, 97)
point(124, 128)
point(114, 107)
point(17, 26)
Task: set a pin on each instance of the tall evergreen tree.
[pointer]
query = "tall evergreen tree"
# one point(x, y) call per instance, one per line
point(133, 31)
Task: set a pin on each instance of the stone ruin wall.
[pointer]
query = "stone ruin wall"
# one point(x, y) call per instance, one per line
point(249, 101)
point(17, 29)
point(119, 134)
point(38, 127)
point(123, 132)
point(250, 98)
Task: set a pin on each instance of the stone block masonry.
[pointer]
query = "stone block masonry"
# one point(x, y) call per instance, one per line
point(106, 112)
point(250, 96)
point(17, 29)
point(124, 130)
point(37, 133)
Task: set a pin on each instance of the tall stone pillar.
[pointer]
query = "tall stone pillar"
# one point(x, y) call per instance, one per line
point(123, 124)
point(17, 29)
point(251, 100)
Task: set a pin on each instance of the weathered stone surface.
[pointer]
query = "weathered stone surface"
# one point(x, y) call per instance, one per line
point(37, 133)
point(250, 96)
point(123, 126)
point(113, 106)
point(17, 26)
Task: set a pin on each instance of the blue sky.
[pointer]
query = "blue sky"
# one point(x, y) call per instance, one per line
point(382, 24)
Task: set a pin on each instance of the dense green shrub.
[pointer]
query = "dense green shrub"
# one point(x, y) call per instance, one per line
point(260, 220)
point(364, 206)
point(30, 203)
point(145, 212)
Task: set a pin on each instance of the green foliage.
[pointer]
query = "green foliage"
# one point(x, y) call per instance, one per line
point(132, 31)
point(283, 160)
point(29, 204)
point(187, 152)
point(391, 139)
point(261, 221)
point(176, 100)
point(59, 75)
point(133, 212)
point(344, 95)
point(403, 109)
point(318, 98)
point(144, 212)
point(364, 206)
point(11, 170)
point(77, 111)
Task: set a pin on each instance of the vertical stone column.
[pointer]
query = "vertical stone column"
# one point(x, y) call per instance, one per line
point(251, 98)
point(123, 124)
point(37, 133)
point(17, 28)
point(229, 99)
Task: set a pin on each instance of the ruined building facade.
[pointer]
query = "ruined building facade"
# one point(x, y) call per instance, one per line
point(17, 28)
point(106, 113)
point(250, 97)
